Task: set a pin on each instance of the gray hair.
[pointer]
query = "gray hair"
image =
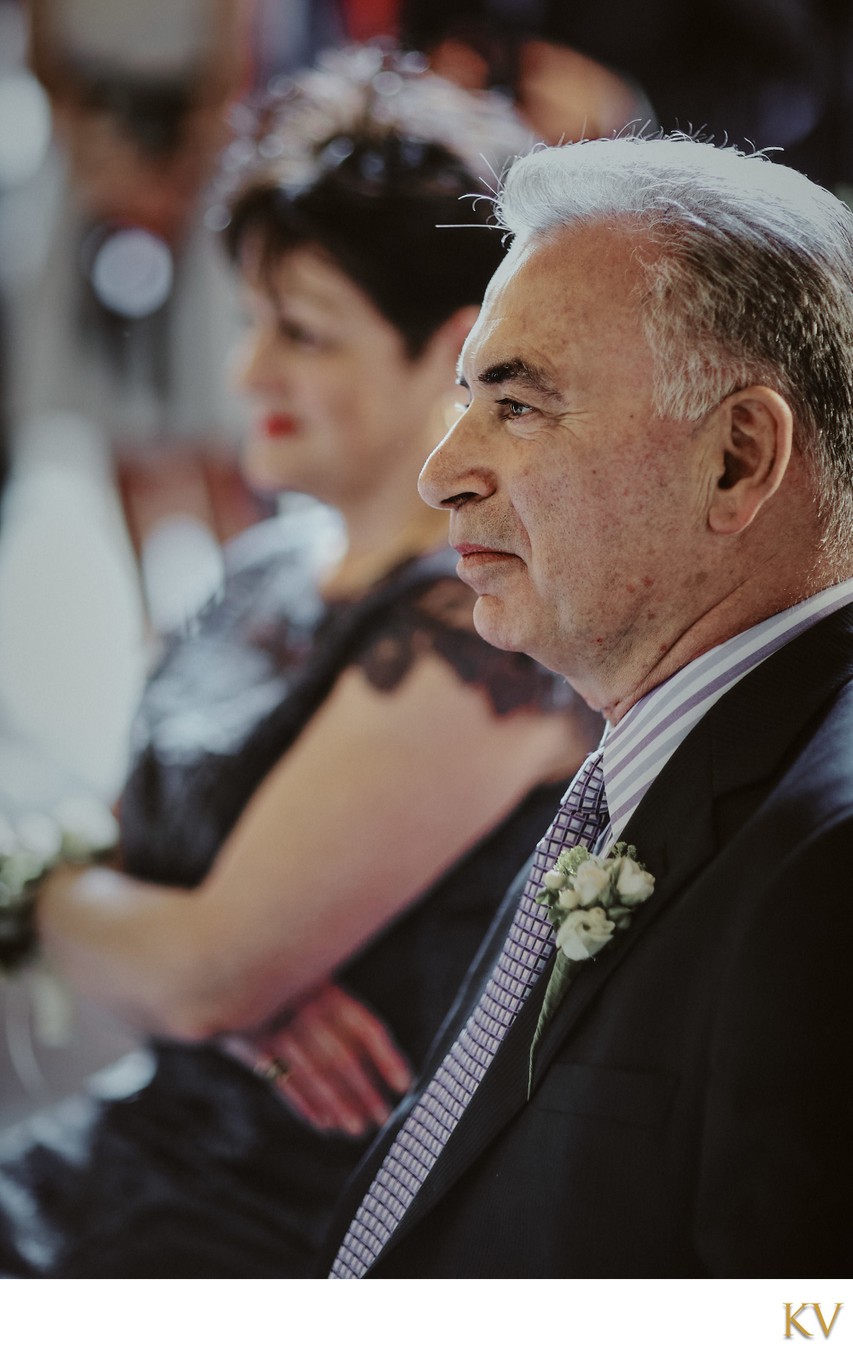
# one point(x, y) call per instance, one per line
point(749, 279)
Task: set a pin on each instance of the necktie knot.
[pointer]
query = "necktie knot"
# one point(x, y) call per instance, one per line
point(583, 814)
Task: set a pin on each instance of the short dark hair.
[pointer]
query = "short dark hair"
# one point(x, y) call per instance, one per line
point(370, 158)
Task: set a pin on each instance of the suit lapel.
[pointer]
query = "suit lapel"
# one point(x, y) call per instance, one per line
point(503, 1091)
point(735, 750)
point(732, 758)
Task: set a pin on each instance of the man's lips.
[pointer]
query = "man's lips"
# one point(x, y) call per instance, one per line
point(478, 563)
point(278, 424)
point(480, 552)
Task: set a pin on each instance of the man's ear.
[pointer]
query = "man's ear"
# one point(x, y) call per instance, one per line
point(755, 433)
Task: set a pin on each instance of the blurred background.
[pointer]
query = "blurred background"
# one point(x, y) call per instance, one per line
point(119, 479)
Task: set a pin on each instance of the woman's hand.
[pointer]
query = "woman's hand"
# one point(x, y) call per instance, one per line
point(342, 1070)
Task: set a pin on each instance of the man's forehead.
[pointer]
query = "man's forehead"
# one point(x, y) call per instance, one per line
point(503, 320)
point(548, 297)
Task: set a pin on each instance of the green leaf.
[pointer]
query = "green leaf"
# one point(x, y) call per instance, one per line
point(620, 914)
point(562, 973)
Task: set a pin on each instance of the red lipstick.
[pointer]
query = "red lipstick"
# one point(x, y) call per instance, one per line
point(278, 424)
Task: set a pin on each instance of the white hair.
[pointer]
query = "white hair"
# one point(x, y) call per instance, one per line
point(747, 271)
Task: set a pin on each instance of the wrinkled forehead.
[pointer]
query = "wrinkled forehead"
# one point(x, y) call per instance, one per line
point(570, 289)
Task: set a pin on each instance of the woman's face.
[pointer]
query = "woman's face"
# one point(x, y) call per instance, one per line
point(335, 401)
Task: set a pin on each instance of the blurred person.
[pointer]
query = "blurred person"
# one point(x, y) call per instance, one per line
point(117, 318)
point(334, 777)
point(562, 93)
point(753, 72)
point(125, 312)
point(139, 97)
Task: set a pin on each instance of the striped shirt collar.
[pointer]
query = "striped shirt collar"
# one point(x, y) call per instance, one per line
point(636, 749)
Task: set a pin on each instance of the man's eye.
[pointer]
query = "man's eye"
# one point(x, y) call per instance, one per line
point(512, 409)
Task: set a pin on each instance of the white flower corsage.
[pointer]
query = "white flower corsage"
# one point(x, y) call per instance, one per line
point(588, 899)
point(81, 830)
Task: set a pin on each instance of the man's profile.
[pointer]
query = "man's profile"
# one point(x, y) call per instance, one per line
point(651, 493)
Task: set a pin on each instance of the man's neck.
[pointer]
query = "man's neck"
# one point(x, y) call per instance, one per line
point(733, 615)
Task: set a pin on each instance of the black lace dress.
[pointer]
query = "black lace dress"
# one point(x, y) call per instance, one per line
point(190, 1166)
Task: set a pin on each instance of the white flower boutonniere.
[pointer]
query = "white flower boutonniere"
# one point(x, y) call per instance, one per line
point(588, 899)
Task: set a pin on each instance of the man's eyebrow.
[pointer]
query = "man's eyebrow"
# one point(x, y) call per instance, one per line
point(518, 370)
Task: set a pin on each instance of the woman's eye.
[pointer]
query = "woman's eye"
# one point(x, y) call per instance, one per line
point(299, 335)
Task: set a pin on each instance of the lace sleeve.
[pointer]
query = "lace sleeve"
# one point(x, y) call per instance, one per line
point(437, 619)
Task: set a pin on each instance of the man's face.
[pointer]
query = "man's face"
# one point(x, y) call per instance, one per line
point(578, 513)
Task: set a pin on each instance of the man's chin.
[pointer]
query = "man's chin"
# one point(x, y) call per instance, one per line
point(491, 623)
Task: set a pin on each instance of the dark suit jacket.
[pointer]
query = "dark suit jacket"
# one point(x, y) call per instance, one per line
point(692, 1112)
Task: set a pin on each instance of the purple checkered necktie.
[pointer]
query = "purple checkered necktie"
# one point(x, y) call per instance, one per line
point(582, 818)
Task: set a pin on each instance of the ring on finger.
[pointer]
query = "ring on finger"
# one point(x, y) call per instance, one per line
point(272, 1068)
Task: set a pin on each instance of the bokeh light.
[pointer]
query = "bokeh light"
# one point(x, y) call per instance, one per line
point(131, 271)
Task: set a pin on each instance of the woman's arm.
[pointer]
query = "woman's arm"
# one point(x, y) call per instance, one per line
point(380, 794)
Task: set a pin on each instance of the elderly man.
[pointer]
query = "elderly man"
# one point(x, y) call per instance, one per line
point(651, 493)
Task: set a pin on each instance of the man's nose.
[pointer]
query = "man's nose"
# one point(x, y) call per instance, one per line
point(452, 475)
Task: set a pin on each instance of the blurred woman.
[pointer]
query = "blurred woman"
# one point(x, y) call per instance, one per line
point(335, 777)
